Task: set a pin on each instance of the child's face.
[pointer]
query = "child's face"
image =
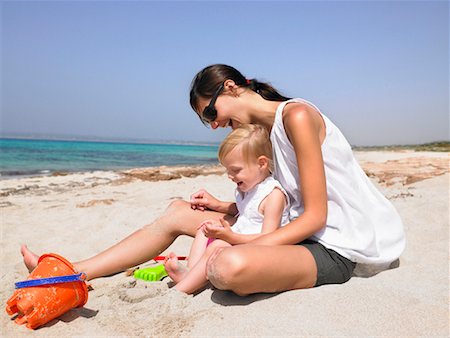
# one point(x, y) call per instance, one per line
point(246, 174)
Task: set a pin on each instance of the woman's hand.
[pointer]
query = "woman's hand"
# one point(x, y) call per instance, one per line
point(220, 229)
point(203, 200)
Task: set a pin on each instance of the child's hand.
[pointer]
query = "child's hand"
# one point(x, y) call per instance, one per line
point(210, 222)
point(217, 229)
point(203, 200)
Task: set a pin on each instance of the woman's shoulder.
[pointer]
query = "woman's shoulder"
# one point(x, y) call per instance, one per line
point(299, 110)
point(301, 115)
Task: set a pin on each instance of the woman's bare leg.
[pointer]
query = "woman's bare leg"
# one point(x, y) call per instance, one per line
point(29, 258)
point(246, 269)
point(147, 242)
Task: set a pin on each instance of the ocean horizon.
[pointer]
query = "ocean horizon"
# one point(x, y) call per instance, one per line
point(29, 156)
point(102, 139)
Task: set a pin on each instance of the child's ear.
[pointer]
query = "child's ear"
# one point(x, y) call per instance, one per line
point(263, 162)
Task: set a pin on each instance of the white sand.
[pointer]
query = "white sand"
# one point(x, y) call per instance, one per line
point(79, 215)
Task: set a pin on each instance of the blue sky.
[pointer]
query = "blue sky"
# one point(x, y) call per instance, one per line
point(122, 69)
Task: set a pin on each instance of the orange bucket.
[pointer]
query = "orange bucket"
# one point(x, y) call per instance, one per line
point(38, 305)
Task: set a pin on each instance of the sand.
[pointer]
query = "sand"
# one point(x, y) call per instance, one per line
point(78, 215)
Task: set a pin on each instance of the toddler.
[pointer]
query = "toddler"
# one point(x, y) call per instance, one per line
point(261, 205)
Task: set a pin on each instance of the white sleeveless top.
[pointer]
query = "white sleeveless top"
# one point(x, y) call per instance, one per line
point(250, 220)
point(362, 225)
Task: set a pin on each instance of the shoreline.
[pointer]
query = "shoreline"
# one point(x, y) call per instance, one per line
point(182, 168)
point(49, 168)
point(381, 164)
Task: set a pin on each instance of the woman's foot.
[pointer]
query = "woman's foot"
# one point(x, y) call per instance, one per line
point(174, 269)
point(29, 258)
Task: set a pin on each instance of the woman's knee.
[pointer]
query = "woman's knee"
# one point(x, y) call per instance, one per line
point(215, 245)
point(176, 206)
point(167, 222)
point(224, 268)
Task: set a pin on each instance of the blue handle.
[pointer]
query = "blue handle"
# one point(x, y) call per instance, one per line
point(80, 277)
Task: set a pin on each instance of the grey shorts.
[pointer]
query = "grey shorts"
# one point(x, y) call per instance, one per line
point(332, 268)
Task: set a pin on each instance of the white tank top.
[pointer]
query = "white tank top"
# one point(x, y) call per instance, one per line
point(250, 220)
point(362, 225)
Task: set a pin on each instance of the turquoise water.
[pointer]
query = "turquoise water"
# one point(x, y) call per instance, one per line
point(29, 157)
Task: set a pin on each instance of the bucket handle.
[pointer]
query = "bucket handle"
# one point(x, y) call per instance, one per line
point(79, 277)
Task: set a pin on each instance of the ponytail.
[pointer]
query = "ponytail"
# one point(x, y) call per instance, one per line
point(266, 90)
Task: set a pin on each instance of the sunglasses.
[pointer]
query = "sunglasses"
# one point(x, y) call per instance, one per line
point(210, 113)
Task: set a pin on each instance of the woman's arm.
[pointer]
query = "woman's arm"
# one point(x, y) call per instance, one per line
point(305, 129)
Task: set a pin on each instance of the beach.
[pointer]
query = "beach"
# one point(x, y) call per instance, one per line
point(78, 215)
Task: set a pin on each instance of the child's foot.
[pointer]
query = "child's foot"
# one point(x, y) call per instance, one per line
point(174, 269)
point(29, 258)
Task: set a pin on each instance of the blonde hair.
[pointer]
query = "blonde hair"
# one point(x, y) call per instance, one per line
point(254, 140)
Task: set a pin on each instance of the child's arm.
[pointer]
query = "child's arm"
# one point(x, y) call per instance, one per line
point(271, 207)
point(203, 200)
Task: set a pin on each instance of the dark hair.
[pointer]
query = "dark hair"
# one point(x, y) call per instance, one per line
point(206, 82)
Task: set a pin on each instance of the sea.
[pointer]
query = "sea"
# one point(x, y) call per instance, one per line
point(29, 157)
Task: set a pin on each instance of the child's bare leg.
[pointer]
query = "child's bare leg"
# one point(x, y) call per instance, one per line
point(198, 248)
point(147, 242)
point(174, 269)
point(196, 277)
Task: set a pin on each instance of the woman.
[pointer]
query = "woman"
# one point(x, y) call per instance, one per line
point(338, 218)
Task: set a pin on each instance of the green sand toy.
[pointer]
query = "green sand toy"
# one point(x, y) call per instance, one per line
point(151, 274)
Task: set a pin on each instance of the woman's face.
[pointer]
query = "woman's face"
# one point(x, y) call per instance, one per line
point(224, 107)
point(228, 107)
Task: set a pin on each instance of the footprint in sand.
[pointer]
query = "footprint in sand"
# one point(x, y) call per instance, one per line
point(139, 293)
